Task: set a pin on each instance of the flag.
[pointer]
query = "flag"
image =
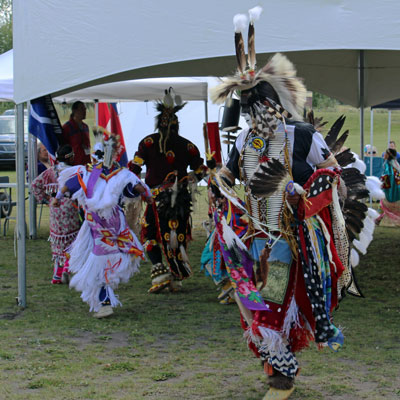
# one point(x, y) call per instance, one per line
point(45, 125)
point(108, 119)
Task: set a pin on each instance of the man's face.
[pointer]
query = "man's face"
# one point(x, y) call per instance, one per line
point(80, 112)
point(43, 154)
point(392, 145)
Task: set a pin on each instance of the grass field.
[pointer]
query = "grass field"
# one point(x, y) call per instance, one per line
point(186, 345)
point(183, 345)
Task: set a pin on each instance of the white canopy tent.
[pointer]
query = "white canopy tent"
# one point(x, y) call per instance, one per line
point(75, 44)
point(6, 76)
point(347, 49)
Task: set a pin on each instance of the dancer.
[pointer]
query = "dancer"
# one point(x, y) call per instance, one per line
point(105, 252)
point(292, 266)
point(166, 227)
point(391, 187)
point(64, 219)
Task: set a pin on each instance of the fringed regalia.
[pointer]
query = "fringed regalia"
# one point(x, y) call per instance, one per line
point(212, 261)
point(106, 252)
point(295, 262)
point(390, 205)
point(64, 220)
point(166, 225)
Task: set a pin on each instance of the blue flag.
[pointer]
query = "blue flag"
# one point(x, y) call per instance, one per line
point(44, 123)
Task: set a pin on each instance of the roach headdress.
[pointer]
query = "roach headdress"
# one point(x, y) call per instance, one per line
point(167, 121)
point(279, 72)
point(107, 146)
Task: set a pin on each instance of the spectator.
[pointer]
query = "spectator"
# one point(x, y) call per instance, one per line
point(392, 145)
point(43, 159)
point(370, 151)
point(76, 134)
point(43, 162)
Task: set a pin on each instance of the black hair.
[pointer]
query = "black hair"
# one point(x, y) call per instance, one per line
point(63, 151)
point(258, 93)
point(392, 153)
point(75, 106)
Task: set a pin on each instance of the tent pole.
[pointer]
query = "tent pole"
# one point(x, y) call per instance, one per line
point(389, 126)
point(371, 158)
point(362, 100)
point(371, 138)
point(96, 112)
point(32, 174)
point(21, 235)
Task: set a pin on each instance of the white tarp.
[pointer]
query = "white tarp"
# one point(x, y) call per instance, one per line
point(140, 90)
point(62, 45)
point(134, 90)
point(6, 76)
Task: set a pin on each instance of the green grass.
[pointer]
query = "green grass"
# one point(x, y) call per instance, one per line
point(183, 345)
point(186, 345)
point(380, 125)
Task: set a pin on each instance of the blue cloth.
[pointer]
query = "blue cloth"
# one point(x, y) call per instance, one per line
point(44, 123)
point(377, 166)
point(391, 179)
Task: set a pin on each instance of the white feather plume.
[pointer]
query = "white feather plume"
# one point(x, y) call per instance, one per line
point(240, 22)
point(369, 225)
point(365, 238)
point(359, 246)
point(359, 164)
point(354, 258)
point(254, 13)
point(373, 184)
point(373, 214)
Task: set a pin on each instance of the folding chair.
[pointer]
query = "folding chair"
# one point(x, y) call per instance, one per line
point(6, 203)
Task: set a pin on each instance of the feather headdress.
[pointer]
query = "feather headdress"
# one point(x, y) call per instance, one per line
point(166, 120)
point(279, 72)
point(107, 145)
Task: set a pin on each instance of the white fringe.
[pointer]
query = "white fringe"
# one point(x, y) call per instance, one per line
point(273, 340)
point(89, 269)
point(250, 337)
point(292, 318)
point(91, 276)
point(113, 297)
point(230, 238)
point(185, 257)
point(173, 239)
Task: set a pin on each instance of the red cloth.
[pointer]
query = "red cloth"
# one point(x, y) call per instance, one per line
point(109, 119)
point(214, 140)
point(78, 138)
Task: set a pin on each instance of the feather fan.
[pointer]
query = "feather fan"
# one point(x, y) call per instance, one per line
point(316, 122)
point(331, 137)
point(345, 158)
point(269, 178)
point(340, 142)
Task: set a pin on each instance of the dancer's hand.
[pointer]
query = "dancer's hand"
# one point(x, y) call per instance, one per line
point(55, 202)
point(148, 200)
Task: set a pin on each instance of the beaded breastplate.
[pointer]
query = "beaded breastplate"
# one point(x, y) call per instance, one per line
point(266, 213)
